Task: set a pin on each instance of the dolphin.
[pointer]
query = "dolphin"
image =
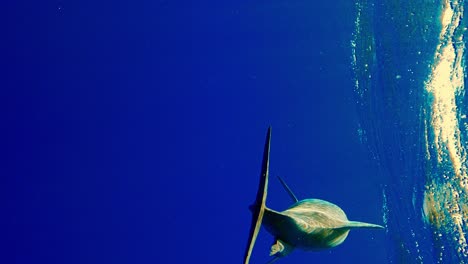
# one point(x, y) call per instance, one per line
point(309, 224)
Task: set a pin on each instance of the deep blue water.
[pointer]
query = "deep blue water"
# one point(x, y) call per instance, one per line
point(133, 131)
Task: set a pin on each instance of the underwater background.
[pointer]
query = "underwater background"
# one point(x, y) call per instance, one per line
point(133, 131)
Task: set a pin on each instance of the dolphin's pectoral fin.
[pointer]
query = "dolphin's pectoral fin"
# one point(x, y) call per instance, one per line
point(274, 259)
point(280, 249)
point(356, 224)
point(286, 187)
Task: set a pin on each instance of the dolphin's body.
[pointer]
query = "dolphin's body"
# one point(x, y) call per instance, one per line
point(310, 224)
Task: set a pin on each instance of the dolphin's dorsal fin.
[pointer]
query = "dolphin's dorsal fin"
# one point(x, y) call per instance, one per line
point(291, 194)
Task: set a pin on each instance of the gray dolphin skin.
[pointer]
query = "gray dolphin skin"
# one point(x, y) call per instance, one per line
point(309, 224)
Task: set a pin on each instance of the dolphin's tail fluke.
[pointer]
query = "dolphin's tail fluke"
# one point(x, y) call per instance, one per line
point(258, 207)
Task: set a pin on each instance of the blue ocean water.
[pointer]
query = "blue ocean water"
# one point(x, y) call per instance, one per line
point(410, 68)
point(133, 131)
